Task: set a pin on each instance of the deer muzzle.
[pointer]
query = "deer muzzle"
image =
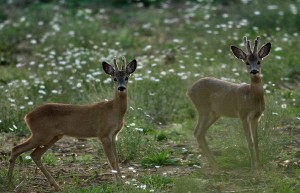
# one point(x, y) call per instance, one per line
point(254, 72)
point(121, 88)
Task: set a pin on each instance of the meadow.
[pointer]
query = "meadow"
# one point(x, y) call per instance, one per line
point(51, 51)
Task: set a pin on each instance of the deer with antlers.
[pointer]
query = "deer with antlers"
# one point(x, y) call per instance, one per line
point(50, 122)
point(214, 98)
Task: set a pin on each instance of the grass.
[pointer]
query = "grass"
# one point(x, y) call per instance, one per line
point(188, 184)
point(161, 158)
point(57, 58)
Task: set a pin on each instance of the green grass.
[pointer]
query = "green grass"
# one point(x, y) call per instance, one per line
point(3, 181)
point(189, 184)
point(157, 183)
point(149, 183)
point(50, 159)
point(161, 158)
point(57, 58)
point(103, 189)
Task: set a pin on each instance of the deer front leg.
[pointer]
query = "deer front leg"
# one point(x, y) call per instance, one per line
point(116, 156)
point(251, 145)
point(253, 129)
point(110, 152)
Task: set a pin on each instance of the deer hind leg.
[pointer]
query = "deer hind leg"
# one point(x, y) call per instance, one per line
point(205, 120)
point(251, 137)
point(16, 152)
point(110, 152)
point(36, 157)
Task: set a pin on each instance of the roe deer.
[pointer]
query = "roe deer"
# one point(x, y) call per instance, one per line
point(50, 122)
point(214, 98)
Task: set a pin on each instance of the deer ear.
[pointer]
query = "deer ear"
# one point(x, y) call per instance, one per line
point(238, 53)
point(131, 66)
point(108, 69)
point(265, 50)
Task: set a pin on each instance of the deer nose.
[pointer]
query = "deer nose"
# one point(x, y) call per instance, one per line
point(121, 88)
point(254, 72)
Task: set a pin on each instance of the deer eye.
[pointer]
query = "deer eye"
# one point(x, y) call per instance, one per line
point(258, 62)
point(247, 63)
point(126, 78)
point(115, 79)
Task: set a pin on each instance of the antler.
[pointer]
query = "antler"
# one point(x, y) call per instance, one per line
point(115, 63)
point(256, 44)
point(247, 44)
point(123, 63)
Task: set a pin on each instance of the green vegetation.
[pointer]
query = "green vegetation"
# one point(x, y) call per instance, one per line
point(57, 58)
point(158, 159)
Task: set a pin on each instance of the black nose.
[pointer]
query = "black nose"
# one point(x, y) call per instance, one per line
point(121, 88)
point(254, 72)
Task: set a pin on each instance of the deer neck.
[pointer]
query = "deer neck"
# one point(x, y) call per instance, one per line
point(256, 84)
point(257, 90)
point(120, 102)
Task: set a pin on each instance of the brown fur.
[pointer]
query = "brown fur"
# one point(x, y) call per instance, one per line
point(96, 120)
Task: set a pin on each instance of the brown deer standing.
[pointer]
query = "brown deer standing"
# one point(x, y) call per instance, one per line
point(50, 122)
point(214, 98)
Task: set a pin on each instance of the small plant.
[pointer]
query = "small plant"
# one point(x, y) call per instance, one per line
point(85, 159)
point(161, 136)
point(158, 159)
point(133, 145)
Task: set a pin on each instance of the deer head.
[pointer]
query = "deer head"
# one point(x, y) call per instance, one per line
point(253, 58)
point(120, 77)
